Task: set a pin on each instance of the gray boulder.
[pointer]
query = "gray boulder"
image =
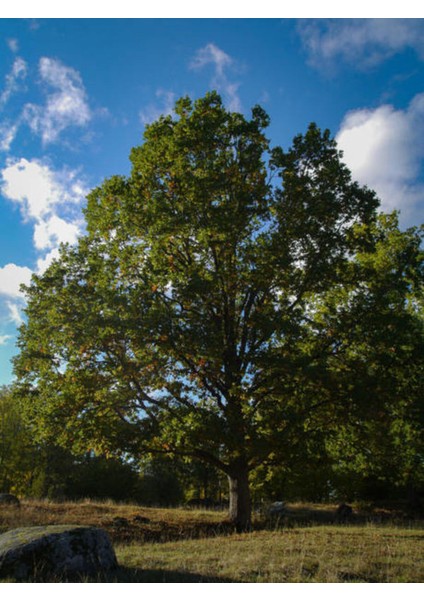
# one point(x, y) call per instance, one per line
point(277, 510)
point(55, 550)
point(9, 499)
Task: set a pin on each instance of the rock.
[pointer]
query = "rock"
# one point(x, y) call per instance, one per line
point(277, 509)
point(55, 550)
point(344, 513)
point(9, 499)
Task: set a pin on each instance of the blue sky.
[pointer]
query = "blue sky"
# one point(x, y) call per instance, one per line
point(75, 96)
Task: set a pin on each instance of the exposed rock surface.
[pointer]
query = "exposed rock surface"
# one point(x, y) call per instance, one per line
point(277, 509)
point(57, 550)
point(9, 499)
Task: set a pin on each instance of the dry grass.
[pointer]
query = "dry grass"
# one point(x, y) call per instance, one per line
point(124, 523)
point(312, 555)
point(179, 545)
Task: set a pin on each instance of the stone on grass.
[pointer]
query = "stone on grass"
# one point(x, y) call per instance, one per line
point(55, 551)
point(277, 509)
point(9, 499)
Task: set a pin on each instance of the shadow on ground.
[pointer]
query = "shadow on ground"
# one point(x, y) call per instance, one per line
point(132, 575)
point(127, 575)
point(123, 531)
point(304, 516)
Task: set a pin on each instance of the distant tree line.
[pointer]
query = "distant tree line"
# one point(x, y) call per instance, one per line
point(391, 472)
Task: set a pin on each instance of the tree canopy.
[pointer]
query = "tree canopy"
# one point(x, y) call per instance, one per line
point(228, 301)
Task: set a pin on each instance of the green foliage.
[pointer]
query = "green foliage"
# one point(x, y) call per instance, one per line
point(382, 363)
point(159, 483)
point(45, 470)
point(99, 477)
point(17, 460)
point(229, 301)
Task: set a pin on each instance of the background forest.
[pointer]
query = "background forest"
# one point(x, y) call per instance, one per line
point(384, 474)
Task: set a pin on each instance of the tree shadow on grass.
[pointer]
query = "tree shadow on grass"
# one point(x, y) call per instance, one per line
point(303, 516)
point(131, 575)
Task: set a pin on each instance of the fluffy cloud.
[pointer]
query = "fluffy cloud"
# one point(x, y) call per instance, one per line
point(38, 189)
point(44, 262)
point(66, 102)
point(65, 105)
point(32, 185)
point(11, 278)
point(384, 148)
point(51, 232)
point(222, 63)
point(363, 43)
point(50, 199)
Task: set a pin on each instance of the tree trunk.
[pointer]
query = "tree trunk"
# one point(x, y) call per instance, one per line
point(240, 506)
point(414, 501)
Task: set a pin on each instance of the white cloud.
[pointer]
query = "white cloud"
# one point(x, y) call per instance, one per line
point(222, 63)
point(32, 185)
point(8, 133)
point(50, 199)
point(363, 43)
point(384, 149)
point(45, 262)
point(13, 79)
point(11, 277)
point(14, 314)
point(51, 232)
point(211, 54)
point(38, 189)
point(165, 107)
point(13, 44)
point(4, 339)
point(65, 106)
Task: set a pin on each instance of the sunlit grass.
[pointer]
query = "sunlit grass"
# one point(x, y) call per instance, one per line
point(323, 554)
point(183, 545)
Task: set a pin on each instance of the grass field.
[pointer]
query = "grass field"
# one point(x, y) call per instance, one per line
point(184, 545)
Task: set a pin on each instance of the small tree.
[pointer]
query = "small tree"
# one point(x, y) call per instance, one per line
point(183, 322)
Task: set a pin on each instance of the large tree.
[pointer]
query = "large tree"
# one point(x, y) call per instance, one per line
point(184, 320)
